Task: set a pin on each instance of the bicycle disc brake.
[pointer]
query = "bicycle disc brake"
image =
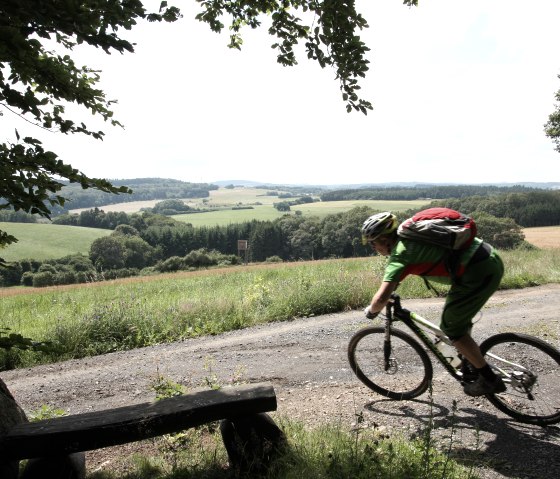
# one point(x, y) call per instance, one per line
point(524, 383)
point(391, 366)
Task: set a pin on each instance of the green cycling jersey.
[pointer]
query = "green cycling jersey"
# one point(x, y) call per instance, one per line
point(424, 259)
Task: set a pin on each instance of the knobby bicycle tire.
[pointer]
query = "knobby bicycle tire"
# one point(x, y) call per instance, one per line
point(411, 369)
point(540, 406)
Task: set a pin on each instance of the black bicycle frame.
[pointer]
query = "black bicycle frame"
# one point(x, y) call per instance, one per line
point(395, 312)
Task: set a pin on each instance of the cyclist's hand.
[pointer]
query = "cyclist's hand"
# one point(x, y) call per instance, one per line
point(369, 314)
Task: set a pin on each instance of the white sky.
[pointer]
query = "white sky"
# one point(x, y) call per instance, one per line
point(461, 91)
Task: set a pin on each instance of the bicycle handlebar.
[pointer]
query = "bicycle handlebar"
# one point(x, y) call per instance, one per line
point(394, 309)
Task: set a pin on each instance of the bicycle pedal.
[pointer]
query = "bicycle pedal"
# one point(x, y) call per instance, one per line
point(469, 376)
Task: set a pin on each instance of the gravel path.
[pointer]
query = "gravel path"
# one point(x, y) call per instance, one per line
point(306, 362)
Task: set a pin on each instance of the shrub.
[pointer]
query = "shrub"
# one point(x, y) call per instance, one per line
point(66, 219)
point(47, 268)
point(65, 277)
point(199, 258)
point(30, 265)
point(27, 278)
point(120, 273)
point(226, 259)
point(282, 206)
point(274, 259)
point(42, 279)
point(10, 275)
point(174, 263)
point(170, 207)
point(202, 258)
point(503, 233)
point(126, 230)
point(108, 252)
point(138, 253)
point(80, 263)
point(86, 276)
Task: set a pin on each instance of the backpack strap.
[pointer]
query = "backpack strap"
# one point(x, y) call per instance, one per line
point(439, 294)
point(450, 266)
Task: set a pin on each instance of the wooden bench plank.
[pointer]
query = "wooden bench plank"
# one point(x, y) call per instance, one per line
point(94, 430)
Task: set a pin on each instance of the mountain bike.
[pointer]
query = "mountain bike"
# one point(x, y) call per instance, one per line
point(396, 365)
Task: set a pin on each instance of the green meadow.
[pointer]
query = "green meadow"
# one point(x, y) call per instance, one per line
point(116, 315)
point(222, 217)
point(47, 241)
point(262, 207)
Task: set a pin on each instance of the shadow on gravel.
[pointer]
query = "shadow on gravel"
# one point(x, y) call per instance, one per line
point(474, 436)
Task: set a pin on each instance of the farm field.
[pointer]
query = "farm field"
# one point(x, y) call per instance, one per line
point(228, 197)
point(262, 209)
point(46, 241)
point(268, 212)
point(223, 197)
point(543, 237)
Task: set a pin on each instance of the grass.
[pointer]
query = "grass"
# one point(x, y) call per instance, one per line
point(238, 195)
point(329, 451)
point(85, 320)
point(222, 217)
point(45, 241)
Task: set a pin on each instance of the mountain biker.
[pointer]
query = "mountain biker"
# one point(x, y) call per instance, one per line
point(478, 276)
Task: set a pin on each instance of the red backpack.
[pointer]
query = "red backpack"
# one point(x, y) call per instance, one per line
point(440, 226)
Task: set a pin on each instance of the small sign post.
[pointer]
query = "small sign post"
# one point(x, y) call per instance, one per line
point(243, 246)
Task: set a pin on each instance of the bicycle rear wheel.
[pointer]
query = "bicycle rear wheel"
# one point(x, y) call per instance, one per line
point(532, 376)
point(410, 369)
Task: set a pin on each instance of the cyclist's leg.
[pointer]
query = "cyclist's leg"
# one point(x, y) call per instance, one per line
point(469, 294)
point(464, 301)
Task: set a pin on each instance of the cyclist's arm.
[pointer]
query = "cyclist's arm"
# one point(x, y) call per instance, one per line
point(382, 296)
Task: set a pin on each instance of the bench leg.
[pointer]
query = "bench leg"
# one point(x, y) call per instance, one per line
point(252, 442)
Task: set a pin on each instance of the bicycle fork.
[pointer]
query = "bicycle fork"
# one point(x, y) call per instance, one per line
point(387, 342)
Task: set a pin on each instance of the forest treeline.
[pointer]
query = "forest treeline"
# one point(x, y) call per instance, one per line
point(432, 192)
point(143, 189)
point(528, 209)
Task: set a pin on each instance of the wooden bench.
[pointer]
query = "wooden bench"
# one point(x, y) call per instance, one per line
point(95, 430)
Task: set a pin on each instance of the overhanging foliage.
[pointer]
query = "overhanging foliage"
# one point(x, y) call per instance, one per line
point(37, 82)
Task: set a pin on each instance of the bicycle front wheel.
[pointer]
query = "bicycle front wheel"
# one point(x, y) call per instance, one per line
point(405, 375)
point(530, 368)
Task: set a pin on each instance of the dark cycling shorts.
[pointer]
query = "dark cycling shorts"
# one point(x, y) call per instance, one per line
point(466, 298)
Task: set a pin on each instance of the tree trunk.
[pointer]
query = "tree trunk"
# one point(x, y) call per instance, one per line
point(11, 414)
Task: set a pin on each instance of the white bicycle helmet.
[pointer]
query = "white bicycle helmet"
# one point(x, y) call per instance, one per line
point(379, 224)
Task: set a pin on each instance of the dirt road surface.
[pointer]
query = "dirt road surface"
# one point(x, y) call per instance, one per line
point(305, 360)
